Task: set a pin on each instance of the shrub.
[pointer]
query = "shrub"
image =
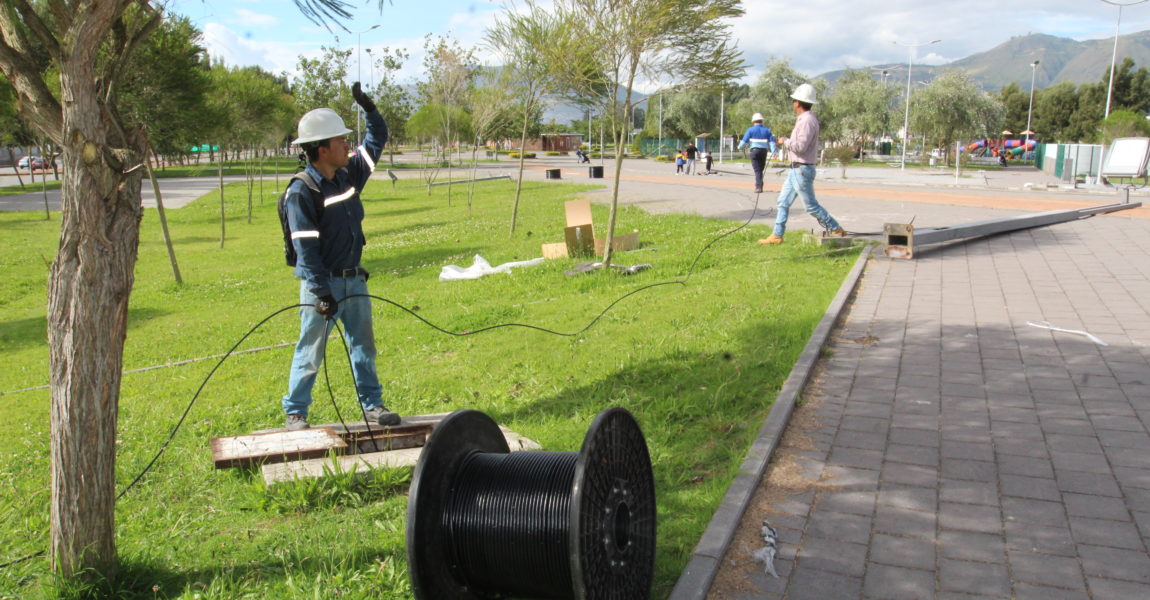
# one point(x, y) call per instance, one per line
point(556, 153)
point(525, 154)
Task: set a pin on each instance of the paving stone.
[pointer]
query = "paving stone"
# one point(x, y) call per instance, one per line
point(914, 437)
point(1029, 487)
point(810, 584)
point(1111, 588)
point(969, 492)
point(916, 455)
point(852, 477)
point(902, 551)
point(1143, 521)
point(1043, 569)
point(1044, 539)
point(1114, 563)
point(1026, 591)
point(968, 545)
point(969, 517)
point(832, 555)
point(867, 424)
point(1097, 507)
point(974, 577)
point(915, 475)
point(970, 470)
point(855, 457)
point(1103, 532)
point(1025, 448)
point(1125, 457)
point(915, 498)
point(1095, 463)
point(860, 439)
point(1026, 466)
point(839, 526)
point(968, 451)
point(855, 502)
point(765, 584)
point(902, 521)
point(896, 583)
point(1073, 443)
point(1102, 484)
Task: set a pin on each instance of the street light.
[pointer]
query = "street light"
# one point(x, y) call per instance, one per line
point(371, 69)
point(359, 72)
point(1030, 109)
point(906, 118)
point(1114, 54)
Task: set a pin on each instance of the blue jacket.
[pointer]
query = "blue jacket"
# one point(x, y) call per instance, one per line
point(759, 137)
point(336, 241)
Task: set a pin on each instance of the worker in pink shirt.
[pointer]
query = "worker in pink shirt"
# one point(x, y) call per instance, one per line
point(804, 148)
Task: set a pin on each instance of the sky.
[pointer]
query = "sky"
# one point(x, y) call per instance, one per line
point(815, 35)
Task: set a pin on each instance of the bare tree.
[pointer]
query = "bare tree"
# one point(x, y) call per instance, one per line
point(621, 41)
point(450, 76)
point(490, 109)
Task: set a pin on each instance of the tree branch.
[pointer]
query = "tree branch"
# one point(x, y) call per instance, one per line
point(37, 26)
point(36, 102)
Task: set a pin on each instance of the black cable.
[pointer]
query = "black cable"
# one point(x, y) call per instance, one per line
point(354, 382)
point(164, 446)
point(187, 410)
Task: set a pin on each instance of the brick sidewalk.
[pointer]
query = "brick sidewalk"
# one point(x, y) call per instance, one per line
point(950, 450)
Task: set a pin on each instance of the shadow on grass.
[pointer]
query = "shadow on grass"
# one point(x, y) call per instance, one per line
point(20, 334)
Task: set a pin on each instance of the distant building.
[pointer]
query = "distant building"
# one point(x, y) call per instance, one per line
point(555, 142)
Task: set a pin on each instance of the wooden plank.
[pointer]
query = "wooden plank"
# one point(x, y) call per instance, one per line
point(407, 457)
point(275, 447)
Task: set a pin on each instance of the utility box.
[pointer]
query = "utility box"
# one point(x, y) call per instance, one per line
point(579, 235)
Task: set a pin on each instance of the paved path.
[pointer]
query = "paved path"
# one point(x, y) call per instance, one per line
point(950, 450)
point(177, 192)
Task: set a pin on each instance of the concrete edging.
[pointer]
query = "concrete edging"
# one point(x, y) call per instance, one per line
point(697, 577)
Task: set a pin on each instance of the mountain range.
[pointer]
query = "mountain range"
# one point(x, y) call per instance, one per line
point(1060, 59)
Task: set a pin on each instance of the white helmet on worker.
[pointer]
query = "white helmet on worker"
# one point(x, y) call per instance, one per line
point(805, 93)
point(320, 124)
point(757, 118)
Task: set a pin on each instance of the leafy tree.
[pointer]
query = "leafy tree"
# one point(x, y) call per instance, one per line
point(861, 106)
point(321, 83)
point(1088, 115)
point(619, 40)
point(492, 106)
point(1015, 104)
point(1054, 109)
point(526, 40)
point(392, 99)
point(163, 90)
point(1124, 123)
point(90, 45)
point(451, 74)
point(770, 95)
point(1131, 88)
point(952, 108)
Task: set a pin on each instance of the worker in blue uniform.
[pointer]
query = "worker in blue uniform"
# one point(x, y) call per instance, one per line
point(762, 143)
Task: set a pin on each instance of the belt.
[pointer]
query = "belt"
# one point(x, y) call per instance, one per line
point(800, 164)
point(356, 272)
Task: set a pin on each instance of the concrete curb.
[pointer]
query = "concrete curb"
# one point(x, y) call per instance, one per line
point(697, 577)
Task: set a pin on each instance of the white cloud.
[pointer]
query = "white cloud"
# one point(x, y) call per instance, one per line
point(236, 50)
point(824, 35)
point(247, 18)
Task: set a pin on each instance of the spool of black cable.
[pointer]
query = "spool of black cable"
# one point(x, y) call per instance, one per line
point(484, 522)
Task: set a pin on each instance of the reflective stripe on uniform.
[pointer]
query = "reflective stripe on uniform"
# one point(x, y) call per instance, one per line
point(760, 140)
point(295, 235)
point(367, 159)
point(340, 198)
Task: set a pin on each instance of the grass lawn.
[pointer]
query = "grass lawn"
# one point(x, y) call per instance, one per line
point(697, 364)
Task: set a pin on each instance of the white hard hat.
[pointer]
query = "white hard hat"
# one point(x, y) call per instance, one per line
point(320, 124)
point(805, 93)
point(756, 117)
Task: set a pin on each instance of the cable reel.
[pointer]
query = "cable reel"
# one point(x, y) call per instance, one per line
point(484, 522)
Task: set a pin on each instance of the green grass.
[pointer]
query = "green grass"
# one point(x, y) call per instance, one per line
point(697, 364)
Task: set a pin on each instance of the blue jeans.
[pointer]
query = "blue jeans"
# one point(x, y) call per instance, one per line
point(801, 182)
point(355, 316)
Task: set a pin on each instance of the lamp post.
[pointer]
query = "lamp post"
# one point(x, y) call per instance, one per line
point(370, 69)
point(1114, 53)
point(359, 73)
point(1030, 109)
point(906, 117)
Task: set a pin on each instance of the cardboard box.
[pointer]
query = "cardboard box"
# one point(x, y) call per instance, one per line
point(579, 235)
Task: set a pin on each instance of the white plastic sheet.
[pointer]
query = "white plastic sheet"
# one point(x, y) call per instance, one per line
point(481, 267)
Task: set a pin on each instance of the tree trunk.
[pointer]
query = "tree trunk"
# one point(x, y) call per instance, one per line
point(163, 221)
point(91, 280)
point(220, 171)
point(519, 182)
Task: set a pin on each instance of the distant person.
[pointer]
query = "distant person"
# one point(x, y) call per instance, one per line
point(708, 162)
point(680, 160)
point(804, 146)
point(761, 142)
point(692, 154)
point(586, 157)
point(579, 155)
point(327, 236)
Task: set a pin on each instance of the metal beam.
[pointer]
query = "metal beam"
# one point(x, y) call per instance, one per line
point(902, 239)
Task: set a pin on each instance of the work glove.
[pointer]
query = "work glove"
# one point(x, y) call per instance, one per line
point(361, 98)
point(326, 306)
